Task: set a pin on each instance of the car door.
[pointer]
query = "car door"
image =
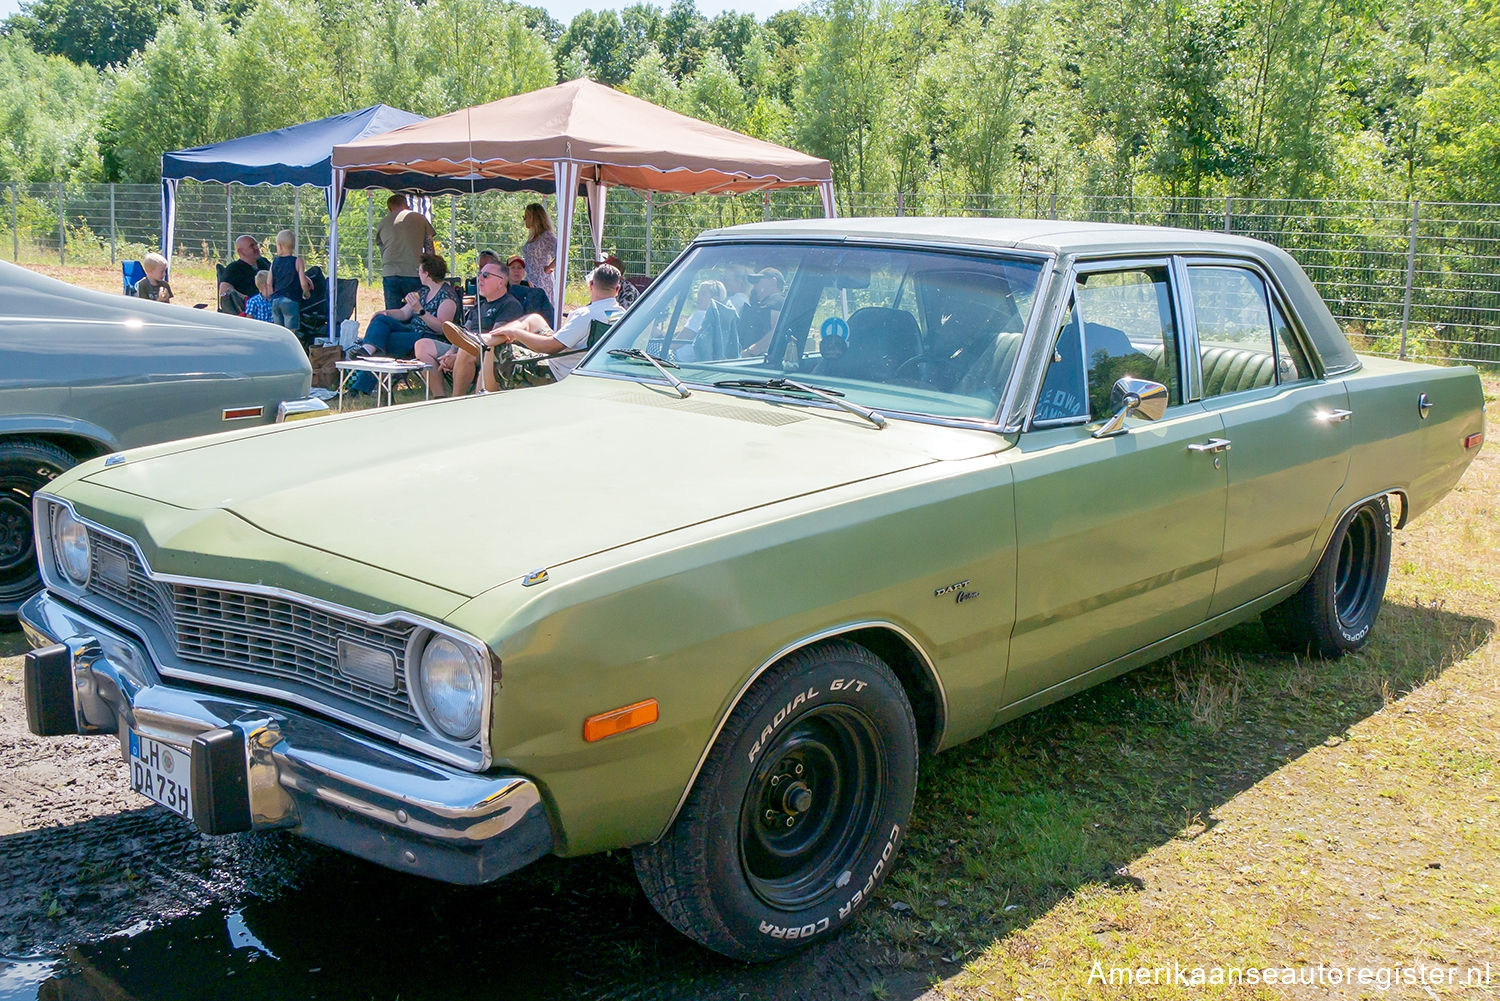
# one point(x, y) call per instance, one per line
point(1288, 430)
point(1119, 537)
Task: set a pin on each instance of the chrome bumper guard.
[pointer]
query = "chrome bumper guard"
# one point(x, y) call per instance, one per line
point(263, 767)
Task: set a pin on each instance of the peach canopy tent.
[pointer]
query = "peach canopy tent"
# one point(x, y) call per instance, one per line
point(584, 134)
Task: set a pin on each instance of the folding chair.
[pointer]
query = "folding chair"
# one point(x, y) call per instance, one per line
point(131, 272)
point(531, 368)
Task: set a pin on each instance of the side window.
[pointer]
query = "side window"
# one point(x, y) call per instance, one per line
point(1120, 324)
point(1236, 345)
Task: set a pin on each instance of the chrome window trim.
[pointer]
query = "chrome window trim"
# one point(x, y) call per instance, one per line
point(792, 647)
point(1278, 298)
point(449, 752)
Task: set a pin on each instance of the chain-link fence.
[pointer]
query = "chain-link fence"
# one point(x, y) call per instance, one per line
point(1414, 279)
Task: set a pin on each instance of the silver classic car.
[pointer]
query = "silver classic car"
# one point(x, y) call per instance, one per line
point(831, 497)
point(84, 373)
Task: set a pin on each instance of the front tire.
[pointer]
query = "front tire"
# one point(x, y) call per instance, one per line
point(1335, 610)
point(26, 465)
point(799, 810)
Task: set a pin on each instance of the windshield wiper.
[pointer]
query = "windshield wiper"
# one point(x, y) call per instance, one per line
point(790, 386)
point(660, 363)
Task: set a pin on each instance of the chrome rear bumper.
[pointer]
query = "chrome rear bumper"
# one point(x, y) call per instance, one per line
point(261, 766)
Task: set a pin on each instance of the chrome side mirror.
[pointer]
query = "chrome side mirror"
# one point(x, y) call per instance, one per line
point(1132, 397)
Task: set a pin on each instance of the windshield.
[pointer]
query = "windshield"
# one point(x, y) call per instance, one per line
point(896, 330)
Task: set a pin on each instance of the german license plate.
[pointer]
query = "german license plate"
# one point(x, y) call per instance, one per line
point(161, 773)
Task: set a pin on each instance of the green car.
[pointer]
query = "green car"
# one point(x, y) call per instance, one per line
point(830, 497)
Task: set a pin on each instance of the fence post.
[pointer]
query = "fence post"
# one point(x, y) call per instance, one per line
point(228, 223)
point(650, 205)
point(297, 218)
point(1228, 213)
point(370, 238)
point(15, 228)
point(111, 224)
point(1411, 273)
point(766, 211)
point(62, 227)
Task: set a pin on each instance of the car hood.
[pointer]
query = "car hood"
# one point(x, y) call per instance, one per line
point(468, 494)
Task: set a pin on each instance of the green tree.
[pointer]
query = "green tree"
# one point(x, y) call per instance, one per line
point(603, 42)
point(1199, 140)
point(650, 81)
point(55, 141)
point(169, 96)
point(97, 33)
point(842, 102)
point(713, 93)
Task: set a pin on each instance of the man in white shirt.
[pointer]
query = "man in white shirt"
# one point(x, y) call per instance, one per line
point(531, 331)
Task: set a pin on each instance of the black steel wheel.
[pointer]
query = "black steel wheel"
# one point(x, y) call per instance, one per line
point(1335, 610)
point(26, 465)
point(798, 812)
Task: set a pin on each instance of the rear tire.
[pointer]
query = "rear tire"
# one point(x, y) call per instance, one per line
point(799, 810)
point(26, 465)
point(1337, 607)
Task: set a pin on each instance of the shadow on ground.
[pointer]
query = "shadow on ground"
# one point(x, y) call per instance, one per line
point(149, 909)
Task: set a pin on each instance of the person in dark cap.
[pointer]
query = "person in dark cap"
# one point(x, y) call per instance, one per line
point(533, 298)
point(758, 318)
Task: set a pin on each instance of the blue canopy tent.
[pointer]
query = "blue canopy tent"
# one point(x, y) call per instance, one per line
point(295, 155)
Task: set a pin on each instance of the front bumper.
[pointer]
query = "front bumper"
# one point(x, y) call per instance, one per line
point(260, 766)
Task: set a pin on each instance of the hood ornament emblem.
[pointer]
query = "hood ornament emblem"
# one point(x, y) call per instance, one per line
point(537, 576)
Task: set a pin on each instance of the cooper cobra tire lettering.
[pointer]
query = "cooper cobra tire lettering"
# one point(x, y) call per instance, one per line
point(797, 815)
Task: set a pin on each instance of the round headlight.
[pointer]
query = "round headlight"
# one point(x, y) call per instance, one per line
point(451, 684)
point(70, 543)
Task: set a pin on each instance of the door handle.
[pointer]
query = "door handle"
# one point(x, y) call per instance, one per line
point(1212, 445)
point(1335, 416)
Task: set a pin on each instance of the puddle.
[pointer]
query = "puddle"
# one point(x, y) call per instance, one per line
point(342, 929)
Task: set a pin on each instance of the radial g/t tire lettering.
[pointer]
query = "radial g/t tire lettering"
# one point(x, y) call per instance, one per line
point(1335, 610)
point(798, 812)
point(26, 465)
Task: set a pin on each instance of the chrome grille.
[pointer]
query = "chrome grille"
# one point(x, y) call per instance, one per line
point(272, 642)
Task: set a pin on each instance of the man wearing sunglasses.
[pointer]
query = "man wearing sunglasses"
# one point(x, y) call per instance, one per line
point(494, 306)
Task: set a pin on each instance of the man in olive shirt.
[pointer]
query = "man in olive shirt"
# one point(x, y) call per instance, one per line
point(237, 281)
point(403, 237)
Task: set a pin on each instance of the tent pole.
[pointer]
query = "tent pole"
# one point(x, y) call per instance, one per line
point(335, 200)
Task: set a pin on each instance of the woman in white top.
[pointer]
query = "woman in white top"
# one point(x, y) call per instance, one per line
point(540, 249)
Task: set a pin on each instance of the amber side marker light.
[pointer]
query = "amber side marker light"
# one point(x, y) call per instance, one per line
point(1473, 440)
point(615, 721)
point(240, 413)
